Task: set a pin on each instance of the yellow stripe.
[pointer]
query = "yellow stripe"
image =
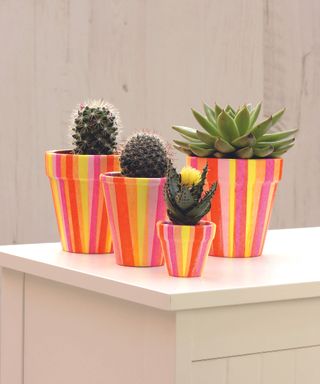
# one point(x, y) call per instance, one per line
point(232, 192)
point(185, 234)
point(55, 195)
point(250, 200)
point(142, 189)
point(84, 188)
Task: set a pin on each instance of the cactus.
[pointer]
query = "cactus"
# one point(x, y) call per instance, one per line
point(234, 134)
point(95, 128)
point(144, 155)
point(186, 202)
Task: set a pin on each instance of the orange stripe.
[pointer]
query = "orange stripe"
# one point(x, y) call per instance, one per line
point(195, 248)
point(124, 232)
point(131, 192)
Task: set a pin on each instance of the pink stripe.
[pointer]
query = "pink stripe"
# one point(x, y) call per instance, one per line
point(153, 197)
point(93, 171)
point(166, 244)
point(223, 171)
point(156, 246)
point(240, 213)
point(112, 215)
point(261, 216)
point(172, 249)
point(63, 202)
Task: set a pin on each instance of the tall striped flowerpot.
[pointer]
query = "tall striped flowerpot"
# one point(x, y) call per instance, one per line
point(243, 203)
point(134, 206)
point(186, 247)
point(78, 199)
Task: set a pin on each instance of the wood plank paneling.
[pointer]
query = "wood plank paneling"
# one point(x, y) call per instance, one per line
point(153, 60)
point(244, 369)
point(292, 79)
point(278, 367)
point(209, 372)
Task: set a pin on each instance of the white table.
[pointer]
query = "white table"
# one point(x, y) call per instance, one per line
point(81, 319)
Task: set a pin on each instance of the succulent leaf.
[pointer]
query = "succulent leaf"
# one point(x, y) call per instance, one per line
point(223, 146)
point(263, 151)
point(277, 116)
point(210, 113)
point(231, 112)
point(247, 140)
point(275, 136)
point(263, 127)
point(254, 114)
point(217, 110)
point(233, 134)
point(183, 150)
point(227, 127)
point(244, 153)
point(206, 138)
point(182, 144)
point(205, 123)
point(186, 131)
point(242, 119)
point(201, 152)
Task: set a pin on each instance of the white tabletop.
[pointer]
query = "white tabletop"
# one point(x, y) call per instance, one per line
point(288, 269)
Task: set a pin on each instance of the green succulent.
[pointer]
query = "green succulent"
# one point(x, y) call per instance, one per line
point(187, 204)
point(234, 134)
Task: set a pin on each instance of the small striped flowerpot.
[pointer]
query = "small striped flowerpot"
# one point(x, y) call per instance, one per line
point(78, 199)
point(243, 202)
point(186, 247)
point(134, 206)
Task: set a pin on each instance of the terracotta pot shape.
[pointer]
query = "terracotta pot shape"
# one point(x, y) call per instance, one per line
point(242, 204)
point(78, 199)
point(134, 207)
point(186, 247)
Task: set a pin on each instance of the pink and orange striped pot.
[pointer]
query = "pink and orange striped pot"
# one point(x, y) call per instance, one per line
point(134, 206)
point(78, 199)
point(242, 204)
point(186, 247)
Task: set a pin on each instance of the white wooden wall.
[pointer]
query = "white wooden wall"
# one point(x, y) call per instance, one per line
point(153, 60)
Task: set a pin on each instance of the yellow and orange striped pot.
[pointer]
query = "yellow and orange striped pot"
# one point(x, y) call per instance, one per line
point(243, 202)
point(134, 206)
point(186, 247)
point(78, 199)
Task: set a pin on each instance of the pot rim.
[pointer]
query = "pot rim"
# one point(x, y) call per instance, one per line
point(63, 152)
point(202, 223)
point(235, 158)
point(116, 177)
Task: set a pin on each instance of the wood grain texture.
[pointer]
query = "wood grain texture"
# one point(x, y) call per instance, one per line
point(292, 79)
point(153, 60)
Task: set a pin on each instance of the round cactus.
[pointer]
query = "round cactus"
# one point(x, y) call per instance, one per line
point(95, 128)
point(144, 155)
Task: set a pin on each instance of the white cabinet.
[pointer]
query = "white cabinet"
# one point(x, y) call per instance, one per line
point(68, 318)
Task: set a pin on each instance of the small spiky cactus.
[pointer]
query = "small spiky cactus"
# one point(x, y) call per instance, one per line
point(95, 128)
point(144, 155)
point(186, 202)
point(234, 133)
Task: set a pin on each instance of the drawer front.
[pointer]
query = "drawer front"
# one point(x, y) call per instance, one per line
point(248, 329)
point(294, 366)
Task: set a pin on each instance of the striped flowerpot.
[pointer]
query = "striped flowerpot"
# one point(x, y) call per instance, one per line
point(78, 199)
point(243, 202)
point(134, 207)
point(186, 247)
